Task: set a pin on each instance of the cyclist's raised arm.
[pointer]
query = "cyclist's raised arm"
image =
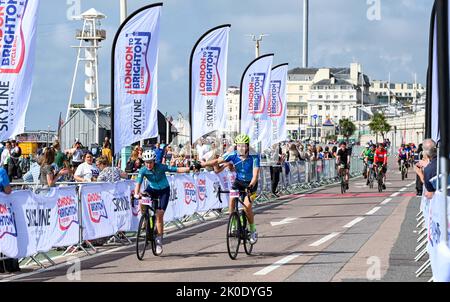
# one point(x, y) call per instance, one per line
point(213, 162)
point(139, 180)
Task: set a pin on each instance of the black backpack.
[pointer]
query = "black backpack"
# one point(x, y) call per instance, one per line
point(130, 166)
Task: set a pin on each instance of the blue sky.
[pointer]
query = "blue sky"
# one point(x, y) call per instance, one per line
point(340, 33)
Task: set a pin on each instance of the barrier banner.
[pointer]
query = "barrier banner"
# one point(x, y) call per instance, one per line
point(438, 252)
point(121, 213)
point(208, 75)
point(225, 185)
point(31, 223)
point(96, 203)
point(8, 224)
point(67, 231)
point(213, 182)
point(18, 21)
point(135, 77)
point(207, 185)
point(186, 199)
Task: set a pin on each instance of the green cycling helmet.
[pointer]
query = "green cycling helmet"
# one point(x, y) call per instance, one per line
point(242, 139)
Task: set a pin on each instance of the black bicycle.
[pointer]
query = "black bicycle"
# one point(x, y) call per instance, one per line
point(404, 169)
point(147, 231)
point(342, 174)
point(238, 228)
point(371, 175)
point(380, 177)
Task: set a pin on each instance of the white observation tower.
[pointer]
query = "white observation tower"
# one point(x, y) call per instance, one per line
point(90, 37)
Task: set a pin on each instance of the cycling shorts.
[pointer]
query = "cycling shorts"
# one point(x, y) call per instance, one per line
point(163, 196)
point(243, 185)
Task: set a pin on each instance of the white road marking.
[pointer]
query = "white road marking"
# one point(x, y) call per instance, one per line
point(403, 189)
point(373, 211)
point(276, 265)
point(324, 239)
point(284, 221)
point(353, 222)
point(386, 201)
point(395, 194)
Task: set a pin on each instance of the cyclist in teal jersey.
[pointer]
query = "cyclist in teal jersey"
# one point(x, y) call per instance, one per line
point(247, 170)
point(158, 186)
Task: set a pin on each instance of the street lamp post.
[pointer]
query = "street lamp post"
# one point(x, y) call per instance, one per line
point(48, 135)
point(315, 127)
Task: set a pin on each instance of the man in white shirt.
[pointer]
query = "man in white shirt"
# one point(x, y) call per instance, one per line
point(201, 150)
point(6, 154)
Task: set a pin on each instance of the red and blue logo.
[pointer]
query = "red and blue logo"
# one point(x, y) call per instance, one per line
point(67, 212)
point(201, 186)
point(137, 73)
point(256, 97)
point(189, 192)
point(7, 222)
point(12, 41)
point(275, 106)
point(209, 74)
point(97, 208)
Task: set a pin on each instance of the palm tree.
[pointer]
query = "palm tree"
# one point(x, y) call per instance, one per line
point(379, 125)
point(346, 128)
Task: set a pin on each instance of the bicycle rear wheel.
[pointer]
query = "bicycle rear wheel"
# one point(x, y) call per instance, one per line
point(380, 182)
point(343, 185)
point(141, 237)
point(248, 247)
point(233, 235)
point(371, 178)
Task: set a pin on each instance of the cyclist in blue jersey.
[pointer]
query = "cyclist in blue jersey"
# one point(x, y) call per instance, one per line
point(158, 186)
point(247, 170)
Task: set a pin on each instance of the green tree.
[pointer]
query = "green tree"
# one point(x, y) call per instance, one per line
point(346, 128)
point(379, 125)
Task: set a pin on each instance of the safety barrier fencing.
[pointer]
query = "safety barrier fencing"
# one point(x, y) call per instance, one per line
point(35, 220)
point(430, 242)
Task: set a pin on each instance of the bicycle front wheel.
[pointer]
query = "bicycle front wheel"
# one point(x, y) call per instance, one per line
point(153, 233)
point(141, 237)
point(248, 247)
point(380, 183)
point(233, 235)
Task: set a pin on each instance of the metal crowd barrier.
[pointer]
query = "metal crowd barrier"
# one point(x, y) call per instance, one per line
point(421, 248)
point(295, 177)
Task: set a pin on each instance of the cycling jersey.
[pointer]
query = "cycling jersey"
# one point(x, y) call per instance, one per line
point(402, 153)
point(380, 156)
point(244, 168)
point(157, 177)
point(370, 155)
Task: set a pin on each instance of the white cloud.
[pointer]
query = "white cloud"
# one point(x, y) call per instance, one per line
point(177, 73)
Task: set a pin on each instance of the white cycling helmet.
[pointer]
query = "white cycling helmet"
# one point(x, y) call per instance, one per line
point(149, 155)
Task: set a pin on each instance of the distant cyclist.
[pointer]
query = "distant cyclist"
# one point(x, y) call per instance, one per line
point(403, 154)
point(247, 170)
point(362, 156)
point(158, 186)
point(369, 156)
point(380, 162)
point(343, 160)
